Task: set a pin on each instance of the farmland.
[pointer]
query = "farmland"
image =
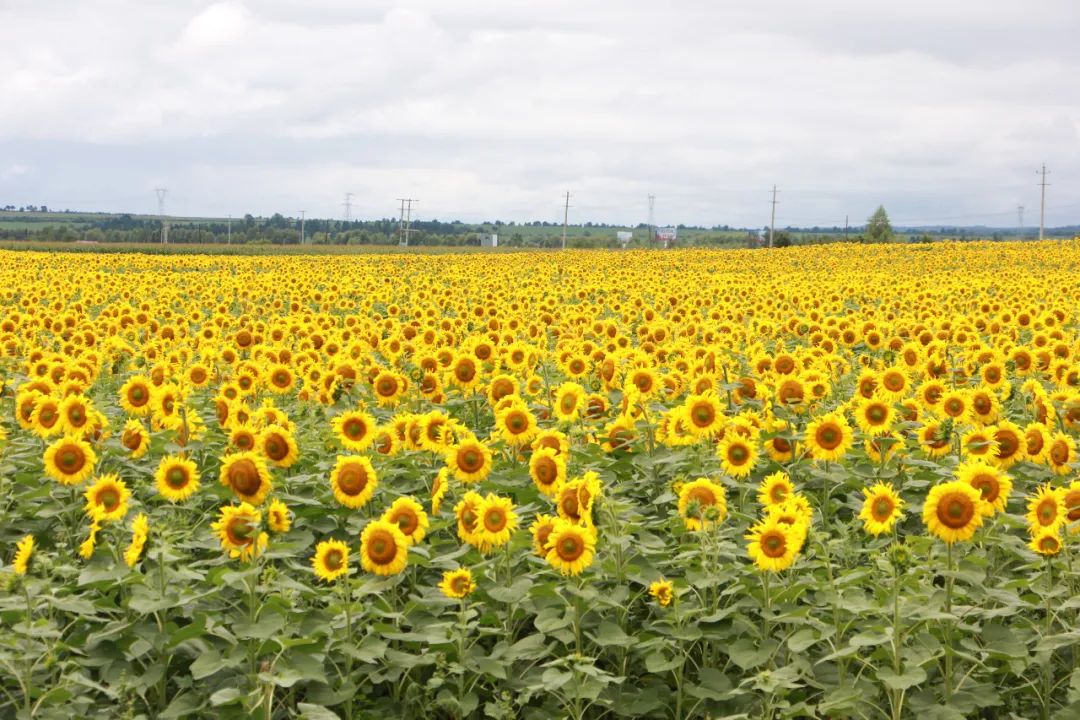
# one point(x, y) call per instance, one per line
point(812, 482)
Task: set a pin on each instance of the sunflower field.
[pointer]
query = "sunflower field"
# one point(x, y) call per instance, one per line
point(816, 482)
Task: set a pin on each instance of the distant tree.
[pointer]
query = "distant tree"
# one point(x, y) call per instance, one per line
point(783, 239)
point(878, 227)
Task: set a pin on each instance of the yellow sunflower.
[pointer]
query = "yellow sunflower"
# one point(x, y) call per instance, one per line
point(828, 437)
point(353, 480)
point(875, 416)
point(547, 469)
point(278, 518)
point(457, 584)
point(384, 549)
point(516, 424)
point(1047, 510)
point(135, 438)
point(1046, 542)
point(278, 446)
point(136, 395)
point(738, 455)
point(704, 415)
point(702, 504)
point(662, 591)
point(773, 546)
point(775, 489)
point(107, 499)
point(469, 460)
point(569, 402)
point(1061, 453)
point(571, 547)
point(467, 512)
point(177, 478)
point(140, 531)
point(881, 508)
point(237, 528)
point(541, 529)
point(953, 511)
point(355, 430)
point(246, 475)
point(409, 516)
point(496, 522)
point(24, 549)
point(439, 487)
point(991, 481)
point(69, 461)
point(331, 560)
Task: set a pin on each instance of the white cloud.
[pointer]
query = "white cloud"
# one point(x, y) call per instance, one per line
point(494, 109)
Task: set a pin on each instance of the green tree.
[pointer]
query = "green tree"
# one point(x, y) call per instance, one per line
point(878, 227)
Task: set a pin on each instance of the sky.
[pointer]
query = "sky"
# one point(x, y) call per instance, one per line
point(942, 110)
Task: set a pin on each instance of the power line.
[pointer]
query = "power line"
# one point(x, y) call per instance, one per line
point(405, 221)
point(161, 193)
point(772, 223)
point(1042, 202)
point(565, 217)
point(348, 206)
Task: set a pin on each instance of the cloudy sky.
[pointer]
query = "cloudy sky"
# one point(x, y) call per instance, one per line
point(940, 109)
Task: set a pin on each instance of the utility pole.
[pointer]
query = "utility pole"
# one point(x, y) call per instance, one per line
point(348, 206)
point(772, 223)
point(652, 227)
point(161, 193)
point(1042, 203)
point(566, 215)
point(229, 231)
point(405, 221)
point(302, 212)
point(1020, 221)
point(845, 227)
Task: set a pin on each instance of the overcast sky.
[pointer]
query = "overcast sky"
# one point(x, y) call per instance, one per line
point(940, 109)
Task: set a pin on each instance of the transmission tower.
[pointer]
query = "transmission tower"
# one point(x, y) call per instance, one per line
point(161, 193)
point(406, 220)
point(348, 206)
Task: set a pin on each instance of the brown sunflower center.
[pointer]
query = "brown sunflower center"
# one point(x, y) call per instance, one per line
point(109, 498)
point(829, 436)
point(470, 460)
point(176, 478)
point(355, 428)
point(71, 459)
point(773, 544)
point(570, 548)
point(988, 485)
point(494, 520)
point(244, 477)
point(381, 547)
point(352, 479)
point(882, 508)
point(333, 560)
point(131, 439)
point(955, 511)
point(276, 447)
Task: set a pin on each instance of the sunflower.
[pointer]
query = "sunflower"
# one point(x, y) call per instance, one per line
point(278, 518)
point(893, 384)
point(662, 591)
point(496, 522)
point(516, 424)
point(46, 418)
point(278, 446)
point(570, 547)
point(828, 437)
point(930, 394)
point(107, 499)
point(704, 415)
point(702, 504)
point(773, 546)
point(464, 373)
point(989, 480)
point(468, 516)
point(86, 548)
point(1061, 453)
point(409, 516)
point(385, 441)
point(353, 480)
point(23, 550)
point(1072, 505)
point(956, 404)
point(1036, 442)
point(1047, 510)
point(775, 489)
point(619, 435)
point(469, 460)
point(246, 475)
point(135, 396)
point(985, 406)
point(69, 461)
point(76, 412)
point(934, 439)
point(140, 531)
point(796, 513)
point(243, 437)
point(439, 487)
point(778, 443)
point(238, 531)
point(569, 402)
point(388, 388)
point(569, 505)
point(331, 560)
point(457, 584)
point(355, 430)
point(1011, 444)
point(881, 448)
point(953, 511)
point(738, 455)
point(541, 529)
point(280, 379)
point(881, 508)
point(384, 549)
point(547, 469)
point(980, 443)
point(177, 478)
point(135, 438)
point(875, 417)
point(1046, 542)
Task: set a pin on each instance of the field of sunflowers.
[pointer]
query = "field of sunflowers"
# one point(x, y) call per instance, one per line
point(818, 482)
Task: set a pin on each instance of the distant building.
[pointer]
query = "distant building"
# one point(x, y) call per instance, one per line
point(491, 241)
point(624, 237)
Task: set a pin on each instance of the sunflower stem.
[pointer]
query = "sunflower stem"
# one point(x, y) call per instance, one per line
point(1048, 667)
point(896, 696)
point(948, 623)
point(462, 628)
point(29, 669)
point(347, 593)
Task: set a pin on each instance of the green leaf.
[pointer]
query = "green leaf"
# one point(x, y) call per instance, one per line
point(308, 711)
point(610, 634)
point(802, 639)
point(910, 677)
point(226, 696)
